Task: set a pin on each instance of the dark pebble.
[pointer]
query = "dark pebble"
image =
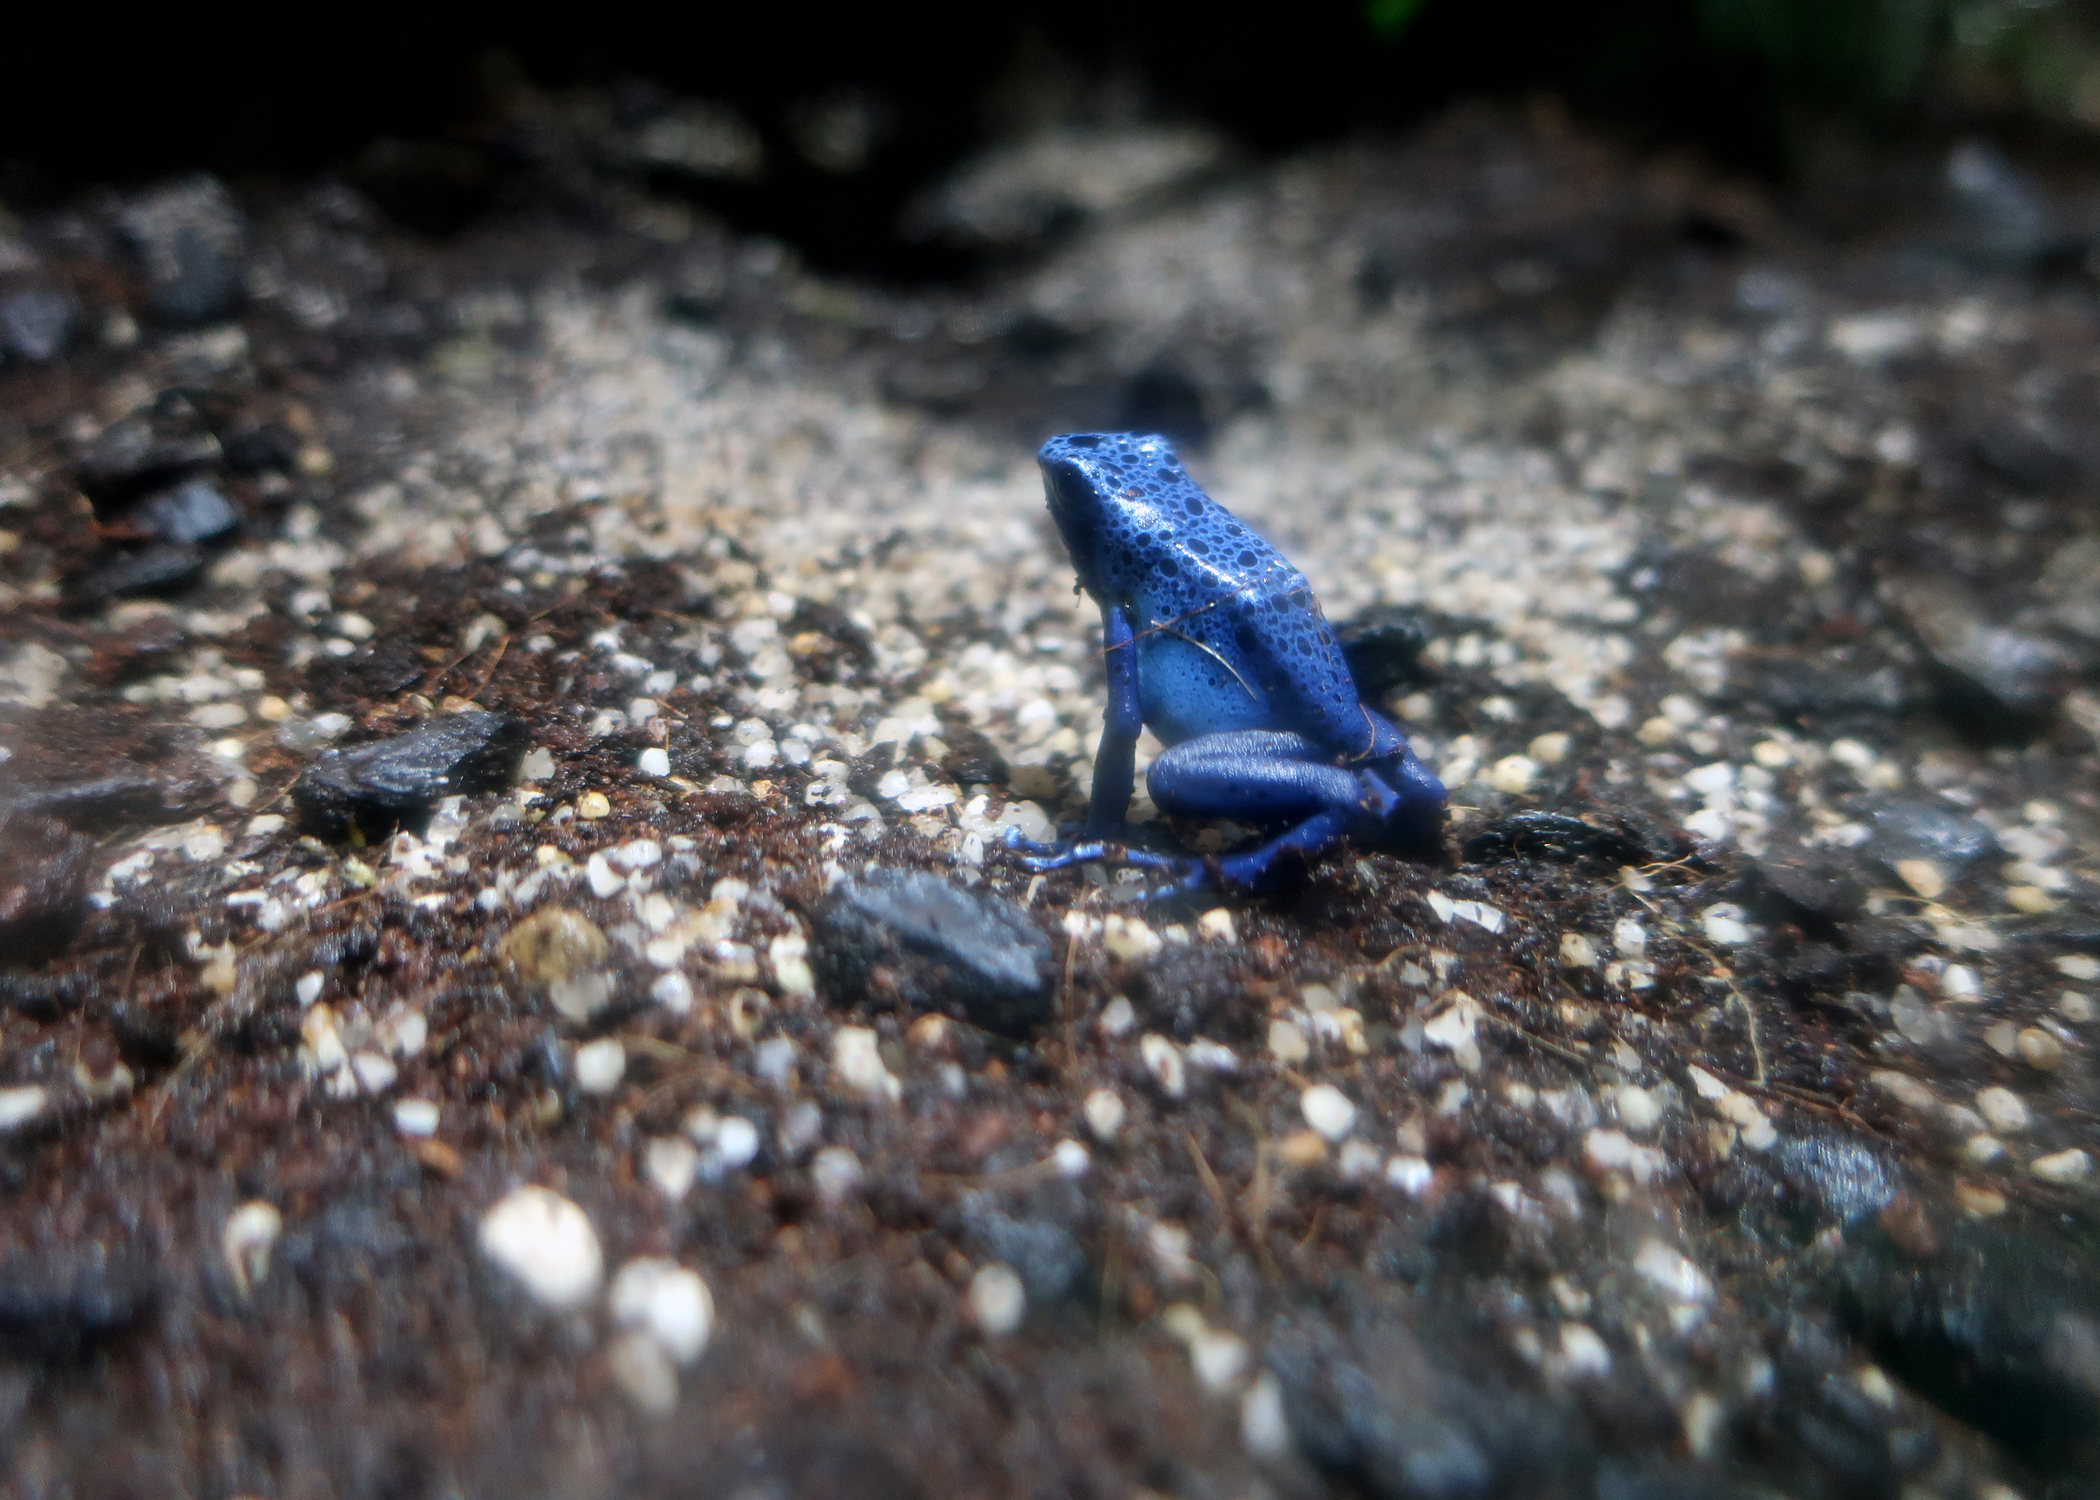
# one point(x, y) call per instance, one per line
point(269, 447)
point(153, 569)
point(106, 802)
point(1841, 1178)
point(44, 868)
point(1928, 828)
point(1384, 646)
point(59, 1302)
point(187, 238)
point(1808, 883)
point(1537, 834)
point(151, 447)
point(1371, 1411)
point(35, 322)
point(1997, 682)
point(391, 783)
point(904, 937)
point(1840, 686)
point(1043, 1254)
point(195, 510)
point(1996, 1322)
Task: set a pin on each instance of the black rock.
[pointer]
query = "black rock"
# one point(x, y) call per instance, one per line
point(153, 446)
point(269, 446)
point(153, 569)
point(1997, 1322)
point(1928, 828)
point(1371, 1410)
point(391, 783)
point(1827, 687)
point(1818, 885)
point(1042, 1253)
point(59, 1302)
point(187, 237)
point(35, 322)
point(1537, 834)
point(106, 802)
point(44, 868)
point(903, 937)
point(195, 510)
point(1384, 647)
point(1996, 681)
point(1842, 1178)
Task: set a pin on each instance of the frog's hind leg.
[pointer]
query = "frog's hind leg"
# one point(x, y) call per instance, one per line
point(1262, 776)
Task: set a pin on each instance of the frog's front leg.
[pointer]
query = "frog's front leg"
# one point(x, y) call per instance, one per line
point(1115, 760)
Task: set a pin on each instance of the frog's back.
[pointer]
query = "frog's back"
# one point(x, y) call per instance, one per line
point(1229, 633)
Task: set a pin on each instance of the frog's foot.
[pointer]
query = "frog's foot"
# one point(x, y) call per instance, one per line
point(1062, 854)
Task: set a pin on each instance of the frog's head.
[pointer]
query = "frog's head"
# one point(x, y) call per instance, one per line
point(1105, 490)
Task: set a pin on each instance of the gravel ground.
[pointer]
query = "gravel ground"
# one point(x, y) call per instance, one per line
point(581, 1095)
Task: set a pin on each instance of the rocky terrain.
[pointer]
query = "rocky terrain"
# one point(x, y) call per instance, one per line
point(509, 978)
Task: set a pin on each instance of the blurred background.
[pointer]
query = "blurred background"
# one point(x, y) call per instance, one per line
point(825, 126)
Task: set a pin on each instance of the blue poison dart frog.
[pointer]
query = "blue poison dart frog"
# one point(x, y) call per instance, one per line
point(1216, 643)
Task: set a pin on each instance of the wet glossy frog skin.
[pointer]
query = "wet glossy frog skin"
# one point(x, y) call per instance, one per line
point(1215, 642)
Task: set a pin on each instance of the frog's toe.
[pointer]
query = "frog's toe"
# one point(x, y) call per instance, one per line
point(1031, 847)
point(1040, 859)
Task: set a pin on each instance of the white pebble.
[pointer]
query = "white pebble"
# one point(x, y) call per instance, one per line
point(600, 1065)
point(1118, 1016)
point(1265, 1432)
point(547, 1243)
point(642, 1369)
point(654, 761)
point(1162, 1059)
point(1582, 1352)
point(674, 992)
point(1104, 1112)
point(1358, 1162)
point(308, 989)
point(1513, 774)
point(666, 1301)
point(736, 1142)
point(1328, 1110)
point(637, 854)
point(1070, 1159)
point(835, 1171)
point(2004, 1109)
point(21, 1104)
point(670, 1163)
point(1411, 1174)
point(2062, 1166)
point(2080, 966)
point(1217, 925)
point(374, 1072)
point(250, 1231)
point(1287, 1043)
point(1724, 925)
point(416, 1117)
point(856, 1058)
point(1218, 1358)
point(1577, 951)
point(603, 879)
point(997, 1299)
point(1638, 1109)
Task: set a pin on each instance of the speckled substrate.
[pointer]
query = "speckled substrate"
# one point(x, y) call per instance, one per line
point(390, 1168)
